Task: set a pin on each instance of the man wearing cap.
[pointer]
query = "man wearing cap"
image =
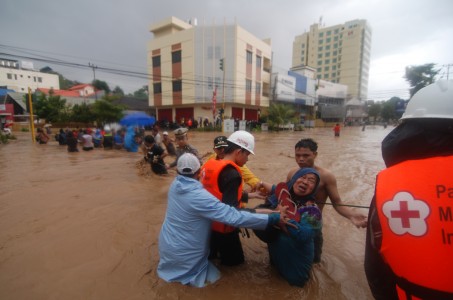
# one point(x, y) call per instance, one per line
point(220, 144)
point(223, 179)
point(168, 142)
point(184, 237)
point(182, 141)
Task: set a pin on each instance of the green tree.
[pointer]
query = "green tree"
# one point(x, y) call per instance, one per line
point(420, 76)
point(388, 111)
point(141, 93)
point(374, 111)
point(101, 85)
point(118, 91)
point(107, 112)
point(82, 113)
point(51, 108)
point(280, 114)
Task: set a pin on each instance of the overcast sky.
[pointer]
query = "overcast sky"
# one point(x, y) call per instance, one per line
point(114, 33)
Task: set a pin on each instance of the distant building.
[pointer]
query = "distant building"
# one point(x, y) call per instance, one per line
point(316, 101)
point(340, 54)
point(331, 101)
point(197, 70)
point(19, 78)
point(78, 94)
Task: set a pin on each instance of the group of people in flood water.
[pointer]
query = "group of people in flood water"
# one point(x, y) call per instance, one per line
point(409, 226)
point(407, 219)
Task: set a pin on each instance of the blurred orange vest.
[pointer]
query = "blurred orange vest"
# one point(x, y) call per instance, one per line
point(210, 172)
point(414, 201)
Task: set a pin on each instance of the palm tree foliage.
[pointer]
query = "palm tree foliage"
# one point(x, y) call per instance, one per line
point(280, 114)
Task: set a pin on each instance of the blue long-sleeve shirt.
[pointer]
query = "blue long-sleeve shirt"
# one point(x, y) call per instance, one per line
point(184, 237)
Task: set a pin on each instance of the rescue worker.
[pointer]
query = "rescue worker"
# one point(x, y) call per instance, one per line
point(223, 179)
point(409, 246)
point(220, 144)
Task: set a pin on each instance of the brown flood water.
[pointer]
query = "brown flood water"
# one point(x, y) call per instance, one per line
point(85, 225)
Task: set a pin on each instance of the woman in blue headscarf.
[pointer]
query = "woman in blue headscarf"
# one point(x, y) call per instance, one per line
point(291, 251)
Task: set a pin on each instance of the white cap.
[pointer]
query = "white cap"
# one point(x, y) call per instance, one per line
point(432, 101)
point(188, 164)
point(243, 139)
point(165, 133)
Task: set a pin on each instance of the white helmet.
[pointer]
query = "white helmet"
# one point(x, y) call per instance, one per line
point(243, 139)
point(432, 101)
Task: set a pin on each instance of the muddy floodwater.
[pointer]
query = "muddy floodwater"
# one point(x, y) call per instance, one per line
point(85, 225)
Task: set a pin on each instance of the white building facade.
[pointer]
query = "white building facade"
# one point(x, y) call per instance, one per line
point(13, 77)
point(196, 70)
point(339, 54)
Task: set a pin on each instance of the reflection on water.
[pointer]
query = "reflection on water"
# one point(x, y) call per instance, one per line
point(85, 225)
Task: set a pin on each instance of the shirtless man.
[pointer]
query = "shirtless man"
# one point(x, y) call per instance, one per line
point(305, 154)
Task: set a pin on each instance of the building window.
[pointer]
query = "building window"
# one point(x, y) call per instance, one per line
point(334, 53)
point(157, 87)
point(249, 57)
point(156, 61)
point(258, 62)
point(320, 55)
point(176, 57)
point(320, 48)
point(213, 52)
point(302, 46)
point(326, 76)
point(335, 39)
point(328, 40)
point(248, 85)
point(34, 78)
point(321, 41)
point(39, 79)
point(327, 54)
point(334, 67)
point(258, 88)
point(334, 60)
point(328, 47)
point(177, 85)
point(9, 75)
point(329, 32)
point(336, 31)
point(326, 68)
point(319, 62)
point(334, 75)
point(319, 70)
point(321, 34)
point(327, 61)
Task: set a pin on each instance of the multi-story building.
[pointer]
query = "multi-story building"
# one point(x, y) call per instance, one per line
point(198, 70)
point(19, 79)
point(340, 54)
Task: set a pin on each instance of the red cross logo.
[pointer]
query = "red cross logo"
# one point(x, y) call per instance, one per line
point(406, 214)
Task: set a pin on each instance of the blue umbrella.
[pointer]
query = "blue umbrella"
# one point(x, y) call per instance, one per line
point(138, 119)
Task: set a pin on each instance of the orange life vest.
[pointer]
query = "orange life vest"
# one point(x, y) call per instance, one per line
point(414, 204)
point(209, 178)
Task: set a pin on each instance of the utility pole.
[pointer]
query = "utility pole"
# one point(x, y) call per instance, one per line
point(222, 67)
point(94, 80)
